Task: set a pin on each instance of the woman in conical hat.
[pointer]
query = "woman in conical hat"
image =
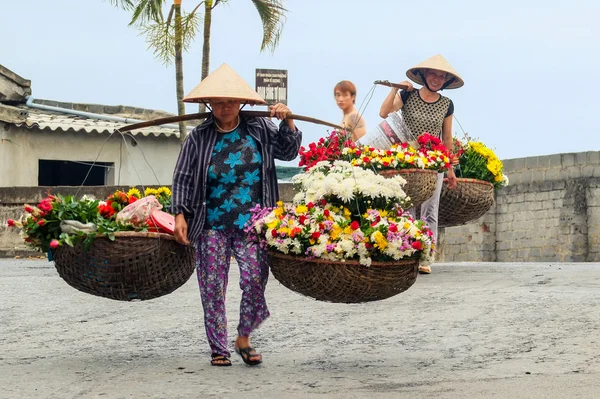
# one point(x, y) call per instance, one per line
point(426, 110)
point(226, 167)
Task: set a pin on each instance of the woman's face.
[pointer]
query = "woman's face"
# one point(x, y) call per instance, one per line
point(225, 110)
point(344, 99)
point(435, 79)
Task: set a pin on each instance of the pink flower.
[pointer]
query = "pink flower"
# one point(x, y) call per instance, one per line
point(54, 244)
point(41, 222)
point(28, 209)
point(11, 223)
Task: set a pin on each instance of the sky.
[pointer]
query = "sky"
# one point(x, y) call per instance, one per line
point(531, 68)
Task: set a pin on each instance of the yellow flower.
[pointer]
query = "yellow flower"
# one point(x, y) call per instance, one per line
point(336, 230)
point(300, 209)
point(150, 191)
point(134, 192)
point(348, 230)
point(284, 230)
point(279, 204)
point(347, 213)
point(380, 240)
point(272, 224)
point(164, 190)
point(278, 211)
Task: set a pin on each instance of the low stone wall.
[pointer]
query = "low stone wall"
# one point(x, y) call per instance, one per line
point(549, 212)
point(12, 200)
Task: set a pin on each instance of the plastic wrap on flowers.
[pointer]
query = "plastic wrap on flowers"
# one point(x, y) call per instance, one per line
point(343, 282)
point(420, 183)
point(135, 266)
point(468, 201)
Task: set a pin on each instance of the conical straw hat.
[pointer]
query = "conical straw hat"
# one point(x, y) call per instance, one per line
point(438, 63)
point(224, 82)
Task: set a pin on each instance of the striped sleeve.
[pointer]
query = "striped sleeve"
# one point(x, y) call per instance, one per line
point(183, 177)
point(286, 141)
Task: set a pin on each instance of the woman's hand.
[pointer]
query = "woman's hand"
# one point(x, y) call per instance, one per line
point(281, 111)
point(451, 178)
point(180, 230)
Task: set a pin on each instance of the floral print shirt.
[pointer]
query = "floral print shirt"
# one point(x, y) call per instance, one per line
point(233, 182)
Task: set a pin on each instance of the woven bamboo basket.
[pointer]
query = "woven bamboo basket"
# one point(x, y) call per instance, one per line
point(135, 266)
point(468, 201)
point(343, 282)
point(420, 183)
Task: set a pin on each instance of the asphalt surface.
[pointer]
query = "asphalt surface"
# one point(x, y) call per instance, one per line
point(489, 330)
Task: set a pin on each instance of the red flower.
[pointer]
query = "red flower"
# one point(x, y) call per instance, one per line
point(54, 244)
point(106, 210)
point(354, 225)
point(302, 219)
point(323, 202)
point(315, 235)
point(417, 245)
point(45, 205)
point(11, 223)
point(41, 222)
point(310, 205)
point(274, 233)
point(393, 228)
point(28, 209)
point(326, 213)
point(132, 199)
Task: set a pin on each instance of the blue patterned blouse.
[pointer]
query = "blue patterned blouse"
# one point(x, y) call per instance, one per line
point(233, 182)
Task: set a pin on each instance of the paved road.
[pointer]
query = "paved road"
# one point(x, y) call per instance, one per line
point(493, 330)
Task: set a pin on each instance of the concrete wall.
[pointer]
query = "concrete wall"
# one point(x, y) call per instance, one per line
point(22, 148)
point(549, 212)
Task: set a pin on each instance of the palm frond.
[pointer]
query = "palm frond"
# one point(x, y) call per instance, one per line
point(272, 15)
point(147, 11)
point(124, 4)
point(161, 37)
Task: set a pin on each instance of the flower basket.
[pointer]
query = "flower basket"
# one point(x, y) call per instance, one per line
point(469, 200)
point(343, 282)
point(420, 183)
point(135, 266)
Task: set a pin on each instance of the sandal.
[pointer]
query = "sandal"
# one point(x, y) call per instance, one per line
point(424, 269)
point(247, 354)
point(219, 360)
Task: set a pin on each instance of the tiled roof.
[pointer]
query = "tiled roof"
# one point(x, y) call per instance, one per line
point(64, 122)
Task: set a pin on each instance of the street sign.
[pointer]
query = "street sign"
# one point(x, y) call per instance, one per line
point(272, 84)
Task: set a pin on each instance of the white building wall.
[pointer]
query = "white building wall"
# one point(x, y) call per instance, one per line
point(22, 148)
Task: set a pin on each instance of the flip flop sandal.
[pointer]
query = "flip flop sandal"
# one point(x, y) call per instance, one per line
point(424, 269)
point(219, 360)
point(246, 354)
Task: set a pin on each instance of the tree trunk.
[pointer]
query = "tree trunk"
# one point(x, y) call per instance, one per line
point(179, 68)
point(206, 44)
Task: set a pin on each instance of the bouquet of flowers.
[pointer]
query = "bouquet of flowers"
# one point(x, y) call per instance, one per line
point(477, 161)
point(326, 149)
point(431, 154)
point(59, 220)
point(343, 212)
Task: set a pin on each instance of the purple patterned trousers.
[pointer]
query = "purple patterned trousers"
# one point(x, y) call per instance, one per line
point(213, 255)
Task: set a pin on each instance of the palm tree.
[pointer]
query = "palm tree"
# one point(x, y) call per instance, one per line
point(170, 41)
